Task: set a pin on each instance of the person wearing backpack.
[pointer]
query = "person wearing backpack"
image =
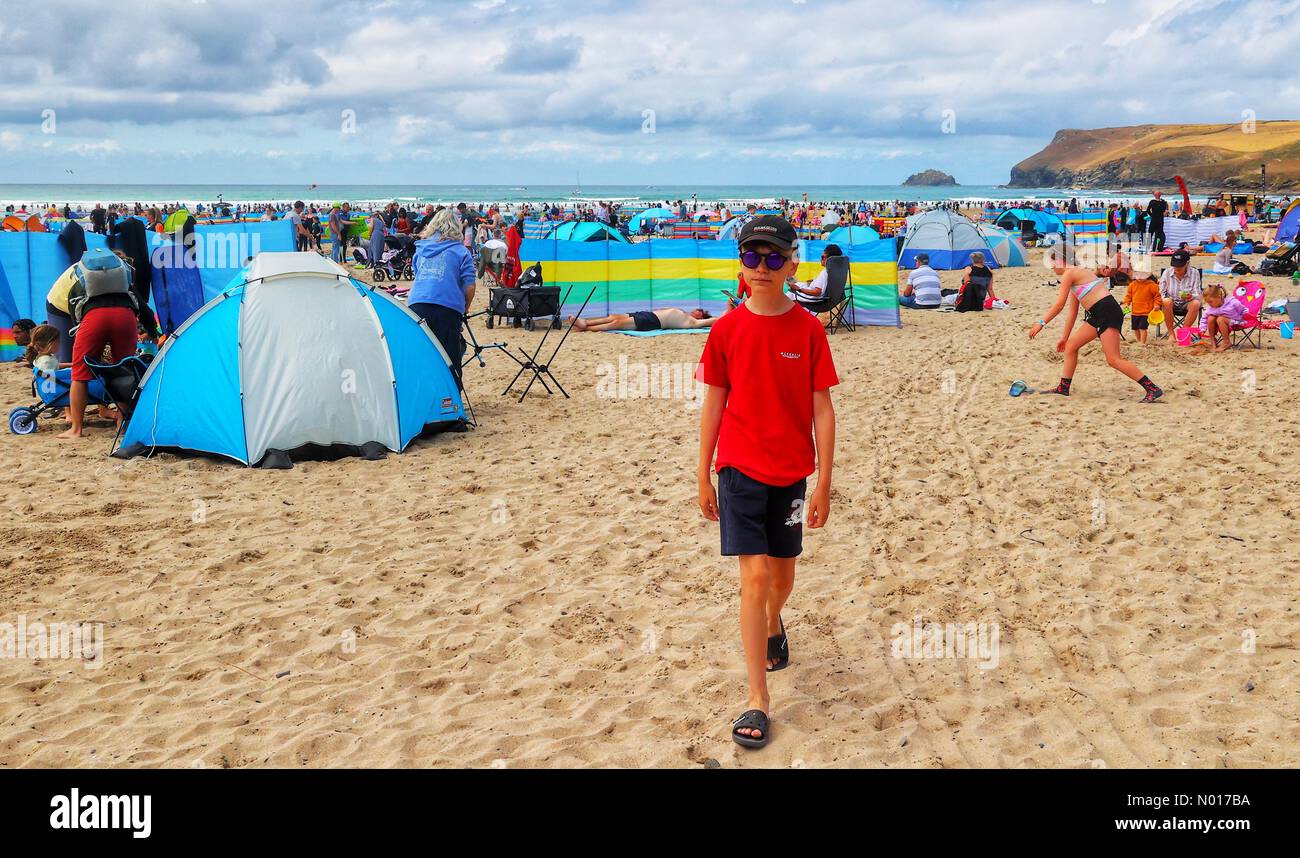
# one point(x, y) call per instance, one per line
point(103, 310)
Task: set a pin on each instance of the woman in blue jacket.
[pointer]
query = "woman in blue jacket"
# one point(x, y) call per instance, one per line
point(444, 282)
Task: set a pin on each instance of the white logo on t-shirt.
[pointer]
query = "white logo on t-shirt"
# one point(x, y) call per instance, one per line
point(791, 355)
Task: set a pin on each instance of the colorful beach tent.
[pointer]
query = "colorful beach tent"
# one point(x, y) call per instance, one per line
point(253, 377)
point(948, 238)
point(847, 236)
point(1006, 246)
point(652, 215)
point(582, 231)
point(1289, 225)
point(1044, 223)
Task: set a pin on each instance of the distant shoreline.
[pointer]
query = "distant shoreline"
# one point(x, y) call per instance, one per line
point(413, 196)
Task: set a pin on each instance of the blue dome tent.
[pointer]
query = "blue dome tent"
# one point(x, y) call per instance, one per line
point(295, 356)
point(585, 231)
point(949, 239)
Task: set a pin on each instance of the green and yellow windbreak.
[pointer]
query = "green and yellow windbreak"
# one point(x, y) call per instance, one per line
point(690, 273)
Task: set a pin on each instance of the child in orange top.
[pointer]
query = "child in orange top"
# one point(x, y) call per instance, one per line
point(1143, 296)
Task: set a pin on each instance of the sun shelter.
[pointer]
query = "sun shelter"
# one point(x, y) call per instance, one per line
point(1289, 225)
point(1043, 223)
point(584, 231)
point(652, 215)
point(847, 236)
point(295, 358)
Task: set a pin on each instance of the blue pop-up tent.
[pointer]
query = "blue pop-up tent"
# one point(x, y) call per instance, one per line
point(585, 231)
point(253, 377)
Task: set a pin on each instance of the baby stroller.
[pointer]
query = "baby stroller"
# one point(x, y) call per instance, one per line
point(51, 389)
point(397, 262)
point(1281, 260)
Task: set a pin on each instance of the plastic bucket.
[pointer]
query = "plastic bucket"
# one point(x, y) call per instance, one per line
point(1185, 336)
point(1287, 330)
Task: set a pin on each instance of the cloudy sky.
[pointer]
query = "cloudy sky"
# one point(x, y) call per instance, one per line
point(626, 91)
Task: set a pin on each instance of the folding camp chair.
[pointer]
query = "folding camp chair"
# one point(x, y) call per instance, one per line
point(1251, 331)
point(544, 369)
point(838, 299)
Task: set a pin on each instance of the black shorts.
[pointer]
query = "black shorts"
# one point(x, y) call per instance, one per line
point(646, 321)
point(1139, 323)
point(756, 518)
point(1106, 313)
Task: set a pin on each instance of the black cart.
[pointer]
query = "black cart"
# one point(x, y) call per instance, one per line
point(524, 305)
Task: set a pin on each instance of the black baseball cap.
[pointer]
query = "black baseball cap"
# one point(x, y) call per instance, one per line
point(1180, 257)
point(769, 229)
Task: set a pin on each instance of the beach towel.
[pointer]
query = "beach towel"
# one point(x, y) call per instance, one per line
point(661, 332)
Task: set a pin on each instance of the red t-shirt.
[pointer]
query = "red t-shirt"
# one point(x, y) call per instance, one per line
point(770, 365)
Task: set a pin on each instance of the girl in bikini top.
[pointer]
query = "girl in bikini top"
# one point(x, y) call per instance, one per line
point(1084, 288)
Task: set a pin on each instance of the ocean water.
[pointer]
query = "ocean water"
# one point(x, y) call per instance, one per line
point(80, 195)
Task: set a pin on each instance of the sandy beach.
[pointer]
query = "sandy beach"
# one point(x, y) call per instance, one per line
point(543, 592)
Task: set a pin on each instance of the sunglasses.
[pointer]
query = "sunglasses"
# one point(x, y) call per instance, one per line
point(751, 258)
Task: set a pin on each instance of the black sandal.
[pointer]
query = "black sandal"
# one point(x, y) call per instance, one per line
point(778, 649)
point(754, 719)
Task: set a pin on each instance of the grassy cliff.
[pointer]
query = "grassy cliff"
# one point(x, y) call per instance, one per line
point(1208, 157)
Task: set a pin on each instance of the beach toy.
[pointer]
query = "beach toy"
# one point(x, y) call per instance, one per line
point(1186, 336)
point(1156, 317)
point(1287, 330)
point(1018, 388)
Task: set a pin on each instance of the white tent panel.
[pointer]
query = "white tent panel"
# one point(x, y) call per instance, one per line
point(322, 373)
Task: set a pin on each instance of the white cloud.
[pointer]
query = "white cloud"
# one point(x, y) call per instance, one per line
point(99, 148)
point(838, 79)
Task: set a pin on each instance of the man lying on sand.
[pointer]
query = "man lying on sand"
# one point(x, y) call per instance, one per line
point(668, 319)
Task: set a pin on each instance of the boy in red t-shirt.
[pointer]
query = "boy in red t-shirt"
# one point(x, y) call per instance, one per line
point(769, 371)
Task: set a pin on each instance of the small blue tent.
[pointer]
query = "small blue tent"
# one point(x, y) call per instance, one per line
point(295, 354)
point(585, 231)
